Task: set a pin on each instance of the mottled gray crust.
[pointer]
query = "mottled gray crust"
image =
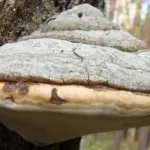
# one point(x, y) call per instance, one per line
point(60, 61)
point(82, 17)
point(119, 39)
point(86, 24)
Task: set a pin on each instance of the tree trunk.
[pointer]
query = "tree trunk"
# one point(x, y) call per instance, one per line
point(143, 138)
point(117, 139)
point(66, 4)
point(11, 140)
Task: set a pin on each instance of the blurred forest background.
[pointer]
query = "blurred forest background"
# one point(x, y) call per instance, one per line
point(22, 17)
point(134, 16)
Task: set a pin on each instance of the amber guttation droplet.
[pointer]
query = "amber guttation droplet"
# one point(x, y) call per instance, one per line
point(22, 88)
point(55, 99)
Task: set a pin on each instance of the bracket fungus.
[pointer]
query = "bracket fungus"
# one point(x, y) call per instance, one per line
point(78, 74)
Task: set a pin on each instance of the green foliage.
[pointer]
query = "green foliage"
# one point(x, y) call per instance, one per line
point(105, 141)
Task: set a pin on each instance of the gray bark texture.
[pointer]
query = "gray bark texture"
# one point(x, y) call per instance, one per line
point(78, 47)
point(67, 4)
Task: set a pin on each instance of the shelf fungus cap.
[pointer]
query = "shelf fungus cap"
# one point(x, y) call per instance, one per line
point(59, 85)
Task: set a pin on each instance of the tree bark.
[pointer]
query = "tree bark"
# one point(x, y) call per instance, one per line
point(66, 4)
point(11, 140)
point(143, 138)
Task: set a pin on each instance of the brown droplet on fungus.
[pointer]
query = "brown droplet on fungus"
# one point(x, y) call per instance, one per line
point(9, 87)
point(55, 99)
point(22, 88)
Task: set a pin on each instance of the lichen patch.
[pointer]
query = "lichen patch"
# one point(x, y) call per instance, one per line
point(55, 99)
